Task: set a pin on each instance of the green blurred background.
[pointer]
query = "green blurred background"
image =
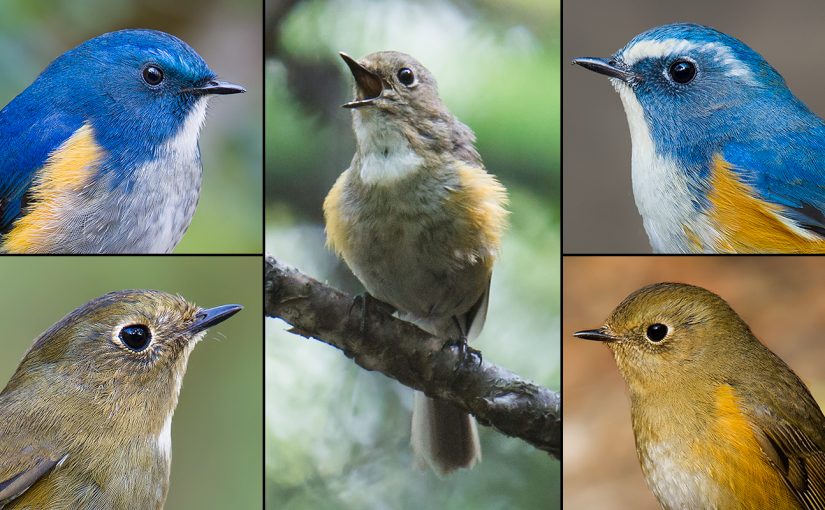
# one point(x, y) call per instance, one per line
point(216, 431)
point(337, 436)
point(227, 34)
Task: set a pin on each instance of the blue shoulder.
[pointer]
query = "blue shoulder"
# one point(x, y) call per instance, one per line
point(30, 129)
point(787, 170)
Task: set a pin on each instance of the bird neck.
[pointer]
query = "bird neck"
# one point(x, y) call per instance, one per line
point(385, 153)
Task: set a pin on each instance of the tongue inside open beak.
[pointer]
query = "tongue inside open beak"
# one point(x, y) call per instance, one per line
point(369, 85)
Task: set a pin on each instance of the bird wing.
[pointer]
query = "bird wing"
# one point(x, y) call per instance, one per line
point(22, 464)
point(797, 457)
point(790, 429)
point(787, 173)
point(477, 315)
point(30, 133)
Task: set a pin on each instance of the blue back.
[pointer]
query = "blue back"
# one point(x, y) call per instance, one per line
point(738, 106)
point(99, 82)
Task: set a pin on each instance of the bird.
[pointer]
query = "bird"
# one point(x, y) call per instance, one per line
point(719, 420)
point(100, 153)
point(725, 159)
point(85, 420)
point(419, 221)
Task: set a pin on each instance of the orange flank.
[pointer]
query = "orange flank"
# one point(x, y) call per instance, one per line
point(480, 201)
point(67, 170)
point(748, 224)
point(739, 463)
point(337, 229)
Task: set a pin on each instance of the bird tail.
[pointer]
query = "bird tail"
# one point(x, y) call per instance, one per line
point(444, 437)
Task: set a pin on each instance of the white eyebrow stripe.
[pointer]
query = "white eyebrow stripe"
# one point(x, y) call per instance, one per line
point(665, 47)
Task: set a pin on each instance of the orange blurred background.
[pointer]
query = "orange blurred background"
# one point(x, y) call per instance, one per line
point(781, 298)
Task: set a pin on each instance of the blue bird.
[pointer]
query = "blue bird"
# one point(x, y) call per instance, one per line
point(100, 154)
point(725, 158)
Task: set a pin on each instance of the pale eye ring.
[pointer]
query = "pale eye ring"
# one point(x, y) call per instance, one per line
point(406, 76)
point(136, 337)
point(656, 332)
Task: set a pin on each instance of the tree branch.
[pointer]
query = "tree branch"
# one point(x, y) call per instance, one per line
point(371, 337)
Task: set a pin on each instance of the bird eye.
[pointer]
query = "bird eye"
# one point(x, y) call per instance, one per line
point(406, 76)
point(656, 332)
point(135, 337)
point(152, 75)
point(682, 71)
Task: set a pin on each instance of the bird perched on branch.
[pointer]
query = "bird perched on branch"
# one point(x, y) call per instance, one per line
point(100, 154)
point(419, 221)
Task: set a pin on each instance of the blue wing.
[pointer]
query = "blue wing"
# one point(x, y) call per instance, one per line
point(787, 170)
point(30, 129)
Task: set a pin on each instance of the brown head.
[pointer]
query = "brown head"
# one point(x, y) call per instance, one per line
point(396, 93)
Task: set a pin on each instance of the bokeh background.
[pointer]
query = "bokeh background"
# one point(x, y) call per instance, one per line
point(779, 297)
point(227, 34)
point(336, 435)
point(217, 429)
point(600, 215)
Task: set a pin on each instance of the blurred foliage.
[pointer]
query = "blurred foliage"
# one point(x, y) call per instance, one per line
point(227, 35)
point(216, 431)
point(339, 437)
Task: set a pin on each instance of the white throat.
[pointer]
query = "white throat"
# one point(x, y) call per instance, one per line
point(184, 143)
point(164, 439)
point(386, 155)
point(661, 189)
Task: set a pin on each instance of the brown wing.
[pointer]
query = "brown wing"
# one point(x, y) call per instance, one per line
point(22, 465)
point(477, 315)
point(800, 461)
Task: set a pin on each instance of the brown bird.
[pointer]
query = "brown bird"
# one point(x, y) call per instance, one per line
point(419, 221)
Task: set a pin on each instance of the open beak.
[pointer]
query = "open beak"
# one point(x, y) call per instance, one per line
point(211, 316)
point(216, 87)
point(608, 67)
point(368, 84)
point(599, 335)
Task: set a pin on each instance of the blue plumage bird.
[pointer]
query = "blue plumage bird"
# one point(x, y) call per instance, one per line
point(725, 158)
point(100, 154)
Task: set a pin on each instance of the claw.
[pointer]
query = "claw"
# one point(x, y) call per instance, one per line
point(469, 357)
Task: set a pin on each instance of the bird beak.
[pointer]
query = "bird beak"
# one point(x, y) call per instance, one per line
point(596, 334)
point(609, 67)
point(369, 84)
point(211, 316)
point(216, 87)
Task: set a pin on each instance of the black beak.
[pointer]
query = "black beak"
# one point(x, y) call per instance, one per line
point(216, 87)
point(608, 67)
point(211, 316)
point(369, 84)
point(599, 335)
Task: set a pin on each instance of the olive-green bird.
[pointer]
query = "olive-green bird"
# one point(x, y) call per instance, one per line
point(85, 421)
point(720, 421)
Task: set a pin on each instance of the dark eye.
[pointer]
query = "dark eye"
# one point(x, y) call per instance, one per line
point(406, 76)
point(135, 337)
point(152, 75)
point(656, 332)
point(682, 71)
